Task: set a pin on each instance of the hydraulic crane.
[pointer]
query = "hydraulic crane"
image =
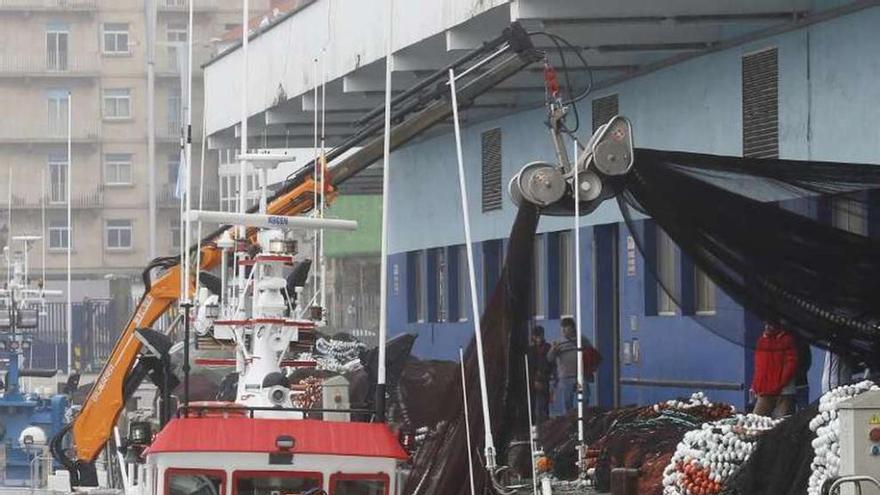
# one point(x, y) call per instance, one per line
point(413, 112)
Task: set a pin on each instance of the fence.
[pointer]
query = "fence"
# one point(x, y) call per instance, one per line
point(96, 326)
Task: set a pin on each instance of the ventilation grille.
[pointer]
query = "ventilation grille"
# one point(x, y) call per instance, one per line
point(492, 170)
point(604, 109)
point(760, 93)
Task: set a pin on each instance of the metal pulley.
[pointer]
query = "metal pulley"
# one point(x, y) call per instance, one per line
point(590, 186)
point(539, 183)
point(612, 147)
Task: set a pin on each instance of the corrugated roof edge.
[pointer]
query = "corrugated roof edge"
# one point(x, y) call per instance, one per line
point(259, 31)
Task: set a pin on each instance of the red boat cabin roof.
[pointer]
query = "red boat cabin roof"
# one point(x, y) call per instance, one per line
point(260, 436)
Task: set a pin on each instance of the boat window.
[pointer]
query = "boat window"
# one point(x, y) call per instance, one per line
point(354, 484)
point(274, 483)
point(194, 482)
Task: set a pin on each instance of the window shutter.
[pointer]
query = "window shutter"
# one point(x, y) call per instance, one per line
point(491, 171)
point(760, 104)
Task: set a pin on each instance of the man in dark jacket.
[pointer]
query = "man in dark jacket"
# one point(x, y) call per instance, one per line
point(776, 366)
point(540, 370)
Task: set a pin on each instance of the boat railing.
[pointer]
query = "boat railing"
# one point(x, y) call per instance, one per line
point(236, 410)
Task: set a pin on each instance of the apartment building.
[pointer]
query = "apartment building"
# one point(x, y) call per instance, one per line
point(89, 59)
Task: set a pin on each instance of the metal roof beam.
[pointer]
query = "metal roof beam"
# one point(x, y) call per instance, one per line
point(562, 9)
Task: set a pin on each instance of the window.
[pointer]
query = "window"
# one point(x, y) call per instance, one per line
point(492, 260)
point(116, 38)
point(117, 168)
point(119, 234)
point(604, 109)
point(175, 233)
point(760, 104)
point(566, 272)
point(272, 483)
point(195, 482)
point(849, 214)
point(539, 278)
point(705, 292)
point(117, 103)
point(491, 171)
point(463, 291)
point(418, 291)
point(358, 484)
point(58, 178)
point(665, 273)
point(56, 46)
point(442, 287)
point(175, 32)
point(59, 106)
point(59, 234)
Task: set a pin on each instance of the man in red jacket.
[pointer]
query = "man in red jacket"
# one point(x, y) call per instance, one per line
point(776, 362)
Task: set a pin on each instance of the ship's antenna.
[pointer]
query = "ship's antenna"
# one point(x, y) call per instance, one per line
point(532, 431)
point(315, 174)
point(467, 423)
point(475, 306)
point(386, 191)
point(322, 184)
point(201, 189)
point(69, 314)
point(577, 323)
point(243, 151)
point(186, 304)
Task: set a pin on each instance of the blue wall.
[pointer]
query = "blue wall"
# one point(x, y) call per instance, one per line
point(828, 94)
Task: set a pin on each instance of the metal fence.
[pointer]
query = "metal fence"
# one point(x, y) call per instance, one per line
point(96, 326)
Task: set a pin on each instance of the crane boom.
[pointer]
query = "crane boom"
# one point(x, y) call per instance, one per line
point(414, 112)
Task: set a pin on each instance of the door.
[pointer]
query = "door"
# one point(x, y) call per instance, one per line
point(57, 178)
point(56, 47)
point(606, 290)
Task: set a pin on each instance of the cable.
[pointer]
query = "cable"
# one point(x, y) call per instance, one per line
point(559, 42)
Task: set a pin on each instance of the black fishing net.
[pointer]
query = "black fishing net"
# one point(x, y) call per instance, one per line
point(441, 464)
point(774, 235)
point(780, 464)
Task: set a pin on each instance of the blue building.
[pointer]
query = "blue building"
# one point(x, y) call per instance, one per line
point(809, 93)
point(789, 78)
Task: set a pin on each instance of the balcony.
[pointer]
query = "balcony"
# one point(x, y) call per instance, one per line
point(183, 5)
point(50, 65)
point(49, 5)
point(58, 201)
point(33, 130)
point(166, 198)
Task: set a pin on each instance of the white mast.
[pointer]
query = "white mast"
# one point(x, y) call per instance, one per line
point(188, 156)
point(43, 232)
point(316, 172)
point(69, 233)
point(577, 296)
point(321, 182)
point(243, 145)
point(9, 225)
point(150, 8)
point(475, 306)
point(467, 422)
point(383, 270)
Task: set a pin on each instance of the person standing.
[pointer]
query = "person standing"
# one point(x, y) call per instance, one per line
point(564, 355)
point(836, 371)
point(776, 366)
point(540, 371)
